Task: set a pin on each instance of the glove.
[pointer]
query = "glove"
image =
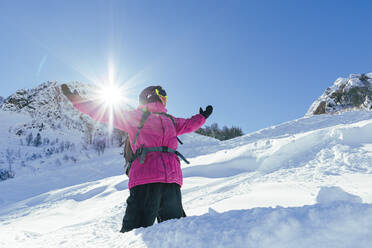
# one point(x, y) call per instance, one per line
point(67, 92)
point(207, 112)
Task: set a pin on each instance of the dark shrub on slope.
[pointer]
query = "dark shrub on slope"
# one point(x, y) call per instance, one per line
point(221, 134)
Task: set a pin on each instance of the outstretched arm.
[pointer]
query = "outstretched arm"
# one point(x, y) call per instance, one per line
point(194, 123)
point(96, 111)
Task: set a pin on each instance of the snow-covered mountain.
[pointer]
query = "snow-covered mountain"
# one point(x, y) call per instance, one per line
point(306, 183)
point(1, 100)
point(353, 93)
point(48, 107)
point(42, 126)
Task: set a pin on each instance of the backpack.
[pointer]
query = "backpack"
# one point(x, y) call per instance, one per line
point(128, 153)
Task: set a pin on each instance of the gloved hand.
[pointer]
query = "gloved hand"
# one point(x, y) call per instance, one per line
point(67, 92)
point(207, 112)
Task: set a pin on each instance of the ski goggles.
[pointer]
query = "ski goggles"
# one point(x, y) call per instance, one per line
point(162, 95)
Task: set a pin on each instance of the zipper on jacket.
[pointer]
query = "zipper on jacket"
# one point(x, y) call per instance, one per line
point(161, 154)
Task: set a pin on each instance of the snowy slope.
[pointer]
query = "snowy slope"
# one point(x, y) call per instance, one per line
point(283, 186)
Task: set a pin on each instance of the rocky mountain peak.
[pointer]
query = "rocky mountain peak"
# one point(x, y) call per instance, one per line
point(49, 108)
point(352, 93)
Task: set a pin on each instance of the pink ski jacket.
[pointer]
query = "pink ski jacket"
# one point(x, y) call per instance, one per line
point(157, 131)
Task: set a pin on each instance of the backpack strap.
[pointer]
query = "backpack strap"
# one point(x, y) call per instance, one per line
point(167, 115)
point(142, 151)
point(145, 115)
point(170, 117)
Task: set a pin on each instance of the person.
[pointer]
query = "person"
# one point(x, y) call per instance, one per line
point(156, 178)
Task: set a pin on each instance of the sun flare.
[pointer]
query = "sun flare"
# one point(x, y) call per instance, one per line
point(111, 95)
point(111, 99)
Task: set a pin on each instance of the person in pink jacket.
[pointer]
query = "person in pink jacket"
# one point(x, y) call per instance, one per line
point(155, 175)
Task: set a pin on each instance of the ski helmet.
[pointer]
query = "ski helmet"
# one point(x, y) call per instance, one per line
point(153, 94)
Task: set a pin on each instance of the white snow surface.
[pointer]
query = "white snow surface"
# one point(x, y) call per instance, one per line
point(304, 183)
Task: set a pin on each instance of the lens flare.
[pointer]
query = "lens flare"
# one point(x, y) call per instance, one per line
point(111, 95)
point(111, 99)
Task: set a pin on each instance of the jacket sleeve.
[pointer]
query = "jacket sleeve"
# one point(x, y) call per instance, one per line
point(189, 125)
point(120, 119)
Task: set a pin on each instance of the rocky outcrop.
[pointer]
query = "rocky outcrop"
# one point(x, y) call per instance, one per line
point(352, 93)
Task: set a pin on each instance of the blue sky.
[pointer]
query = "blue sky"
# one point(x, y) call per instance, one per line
point(259, 63)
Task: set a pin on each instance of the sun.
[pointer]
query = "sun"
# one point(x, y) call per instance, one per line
point(111, 99)
point(111, 94)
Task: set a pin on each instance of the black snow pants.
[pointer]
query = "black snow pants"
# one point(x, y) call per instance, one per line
point(149, 201)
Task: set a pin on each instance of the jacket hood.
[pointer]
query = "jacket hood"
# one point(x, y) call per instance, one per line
point(153, 107)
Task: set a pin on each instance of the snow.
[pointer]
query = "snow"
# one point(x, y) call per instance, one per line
point(353, 82)
point(268, 227)
point(303, 183)
point(330, 195)
point(339, 81)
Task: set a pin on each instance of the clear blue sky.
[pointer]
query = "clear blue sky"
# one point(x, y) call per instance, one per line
point(259, 63)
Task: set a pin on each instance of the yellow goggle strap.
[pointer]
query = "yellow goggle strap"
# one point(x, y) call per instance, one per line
point(164, 97)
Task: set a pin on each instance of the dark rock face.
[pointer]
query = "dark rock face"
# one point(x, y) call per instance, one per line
point(19, 100)
point(320, 109)
point(353, 93)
